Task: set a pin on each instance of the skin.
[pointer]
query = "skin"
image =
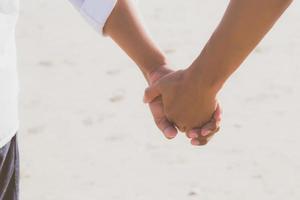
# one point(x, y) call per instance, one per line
point(125, 28)
point(189, 92)
point(204, 133)
point(177, 92)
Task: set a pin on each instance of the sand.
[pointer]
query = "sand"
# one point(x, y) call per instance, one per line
point(85, 133)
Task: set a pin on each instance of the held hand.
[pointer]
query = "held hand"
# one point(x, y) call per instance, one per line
point(177, 99)
point(203, 135)
point(156, 106)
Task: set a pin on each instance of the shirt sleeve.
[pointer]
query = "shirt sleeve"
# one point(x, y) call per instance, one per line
point(95, 12)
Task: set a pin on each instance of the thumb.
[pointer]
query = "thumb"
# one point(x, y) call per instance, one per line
point(152, 92)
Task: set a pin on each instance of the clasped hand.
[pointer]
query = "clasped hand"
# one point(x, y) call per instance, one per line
point(177, 102)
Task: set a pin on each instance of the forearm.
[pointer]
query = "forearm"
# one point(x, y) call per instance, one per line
point(126, 29)
point(243, 26)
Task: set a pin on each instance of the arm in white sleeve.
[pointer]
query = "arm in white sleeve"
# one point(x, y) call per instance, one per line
point(95, 12)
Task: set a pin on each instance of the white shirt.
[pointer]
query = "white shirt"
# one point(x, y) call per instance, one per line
point(8, 72)
point(95, 12)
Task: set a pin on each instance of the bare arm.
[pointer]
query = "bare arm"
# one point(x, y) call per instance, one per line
point(125, 28)
point(192, 91)
point(243, 26)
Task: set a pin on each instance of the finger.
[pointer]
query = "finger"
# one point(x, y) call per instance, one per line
point(151, 93)
point(211, 127)
point(196, 142)
point(201, 141)
point(208, 129)
point(210, 137)
point(161, 120)
point(193, 133)
point(166, 127)
point(203, 135)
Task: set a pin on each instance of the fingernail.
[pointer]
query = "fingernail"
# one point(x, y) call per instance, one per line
point(170, 132)
point(205, 133)
point(193, 135)
point(195, 142)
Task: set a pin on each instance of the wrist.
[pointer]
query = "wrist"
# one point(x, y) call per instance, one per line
point(152, 63)
point(157, 73)
point(203, 78)
point(156, 69)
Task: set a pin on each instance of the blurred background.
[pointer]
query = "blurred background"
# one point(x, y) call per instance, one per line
point(85, 133)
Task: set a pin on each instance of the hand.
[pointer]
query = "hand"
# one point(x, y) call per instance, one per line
point(200, 136)
point(204, 134)
point(156, 106)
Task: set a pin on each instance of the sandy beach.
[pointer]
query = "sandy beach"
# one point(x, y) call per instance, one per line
point(86, 134)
